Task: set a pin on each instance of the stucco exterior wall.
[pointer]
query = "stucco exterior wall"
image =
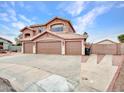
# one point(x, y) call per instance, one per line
point(28, 31)
point(122, 48)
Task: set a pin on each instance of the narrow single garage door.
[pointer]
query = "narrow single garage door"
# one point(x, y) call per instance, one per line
point(51, 47)
point(73, 48)
point(28, 47)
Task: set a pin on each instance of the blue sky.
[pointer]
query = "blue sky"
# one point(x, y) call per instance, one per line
point(100, 20)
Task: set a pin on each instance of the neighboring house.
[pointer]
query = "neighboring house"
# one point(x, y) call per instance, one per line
point(55, 37)
point(5, 44)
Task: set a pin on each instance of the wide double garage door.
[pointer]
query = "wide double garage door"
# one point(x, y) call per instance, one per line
point(52, 47)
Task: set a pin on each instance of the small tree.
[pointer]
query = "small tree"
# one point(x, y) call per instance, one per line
point(18, 42)
point(121, 38)
point(85, 34)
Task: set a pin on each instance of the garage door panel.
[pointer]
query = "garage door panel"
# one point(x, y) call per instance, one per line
point(73, 47)
point(28, 47)
point(49, 47)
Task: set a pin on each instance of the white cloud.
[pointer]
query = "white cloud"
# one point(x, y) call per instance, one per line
point(14, 18)
point(12, 3)
point(4, 17)
point(120, 5)
point(8, 16)
point(25, 18)
point(4, 5)
point(18, 25)
point(84, 21)
point(27, 6)
point(3, 14)
point(21, 4)
point(11, 12)
point(5, 27)
point(73, 8)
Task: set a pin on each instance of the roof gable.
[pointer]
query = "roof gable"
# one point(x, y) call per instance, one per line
point(27, 28)
point(46, 32)
point(106, 41)
point(55, 18)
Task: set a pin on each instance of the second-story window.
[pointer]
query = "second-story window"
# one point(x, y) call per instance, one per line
point(27, 35)
point(57, 28)
point(41, 29)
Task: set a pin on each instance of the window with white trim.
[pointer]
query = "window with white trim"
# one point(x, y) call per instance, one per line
point(57, 27)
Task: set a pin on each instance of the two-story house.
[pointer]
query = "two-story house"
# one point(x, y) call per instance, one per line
point(55, 37)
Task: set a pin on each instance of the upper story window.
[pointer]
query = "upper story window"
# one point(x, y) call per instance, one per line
point(27, 35)
point(57, 27)
point(41, 29)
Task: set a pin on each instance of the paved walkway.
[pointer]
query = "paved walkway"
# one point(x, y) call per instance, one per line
point(97, 76)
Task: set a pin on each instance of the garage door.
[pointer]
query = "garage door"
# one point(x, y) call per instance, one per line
point(73, 47)
point(51, 47)
point(28, 47)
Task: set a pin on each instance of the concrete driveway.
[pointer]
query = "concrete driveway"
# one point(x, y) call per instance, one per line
point(66, 66)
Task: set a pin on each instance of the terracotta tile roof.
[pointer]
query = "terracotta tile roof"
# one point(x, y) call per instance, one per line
point(27, 28)
point(37, 25)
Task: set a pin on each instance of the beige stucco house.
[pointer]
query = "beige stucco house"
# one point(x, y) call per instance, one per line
point(57, 36)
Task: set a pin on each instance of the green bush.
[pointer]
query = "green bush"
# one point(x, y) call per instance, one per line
point(121, 38)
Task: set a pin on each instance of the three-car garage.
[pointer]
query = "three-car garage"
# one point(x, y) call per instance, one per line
point(53, 47)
